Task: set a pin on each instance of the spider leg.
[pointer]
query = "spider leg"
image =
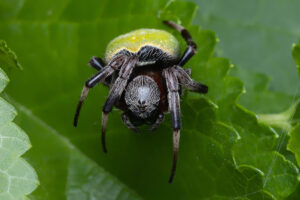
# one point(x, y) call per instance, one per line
point(188, 71)
point(116, 91)
point(94, 80)
point(174, 108)
point(128, 123)
point(97, 63)
point(191, 48)
point(158, 121)
point(189, 83)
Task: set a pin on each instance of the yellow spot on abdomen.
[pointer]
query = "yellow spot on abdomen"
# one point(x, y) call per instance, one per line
point(135, 40)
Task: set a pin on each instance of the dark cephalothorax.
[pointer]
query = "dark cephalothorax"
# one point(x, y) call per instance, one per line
point(142, 96)
point(144, 73)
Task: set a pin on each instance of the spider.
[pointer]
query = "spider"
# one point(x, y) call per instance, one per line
point(144, 73)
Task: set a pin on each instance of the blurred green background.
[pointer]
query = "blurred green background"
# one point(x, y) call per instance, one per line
point(257, 36)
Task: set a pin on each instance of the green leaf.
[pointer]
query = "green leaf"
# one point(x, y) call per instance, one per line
point(8, 58)
point(224, 152)
point(64, 171)
point(277, 115)
point(257, 36)
point(255, 137)
point(17, 177)
point(258, 97)
point(294, 142)
point(296, 55)
point(284, 120)
point(295, 118)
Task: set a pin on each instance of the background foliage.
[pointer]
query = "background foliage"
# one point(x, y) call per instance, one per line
point(17, 177)
point(225, 152)
point(257, 37)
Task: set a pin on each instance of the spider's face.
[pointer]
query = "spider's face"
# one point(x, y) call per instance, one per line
point(142, 96)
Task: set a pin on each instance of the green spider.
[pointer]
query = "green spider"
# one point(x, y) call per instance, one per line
point(143, 70)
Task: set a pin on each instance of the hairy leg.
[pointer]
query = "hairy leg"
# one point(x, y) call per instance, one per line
point(159, 120)
point(115, 64)
point(128, 123)
point(174, 109)
point(116, 91)
point(97, 63)
point(191, 45)
point(185, 79)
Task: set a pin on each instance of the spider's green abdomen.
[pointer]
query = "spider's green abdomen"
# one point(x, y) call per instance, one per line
point(150, 45)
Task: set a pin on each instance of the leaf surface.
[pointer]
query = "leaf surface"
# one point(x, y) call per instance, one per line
point(224, 152)
point(17, 177)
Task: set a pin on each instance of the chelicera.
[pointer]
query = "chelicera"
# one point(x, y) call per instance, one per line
point(143, 70)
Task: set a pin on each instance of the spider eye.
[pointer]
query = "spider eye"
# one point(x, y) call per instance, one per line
point(141, 102)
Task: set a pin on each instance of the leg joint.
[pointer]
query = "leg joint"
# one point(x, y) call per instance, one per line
point(88, 84)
